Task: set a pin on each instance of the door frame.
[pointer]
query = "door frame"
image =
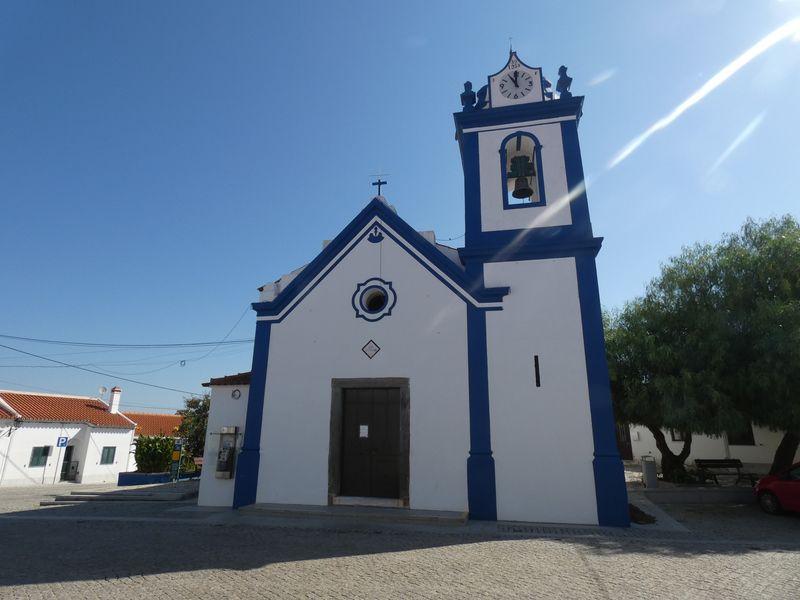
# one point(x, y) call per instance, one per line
point(338, 386)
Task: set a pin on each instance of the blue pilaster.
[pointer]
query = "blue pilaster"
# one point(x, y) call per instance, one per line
point(609, 474)
point(481, 491)
point(472, 187)
point(246, 484)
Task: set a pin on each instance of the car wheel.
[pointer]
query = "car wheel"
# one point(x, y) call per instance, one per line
point(769, 502)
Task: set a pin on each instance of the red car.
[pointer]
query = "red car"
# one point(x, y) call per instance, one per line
point(781, 491)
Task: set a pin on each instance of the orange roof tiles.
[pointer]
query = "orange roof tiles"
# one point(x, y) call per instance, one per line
point(155, 423)
point(4, 414)
point(64, 409)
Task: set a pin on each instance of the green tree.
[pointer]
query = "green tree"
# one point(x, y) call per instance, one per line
point(760, 268)
point(713, 345)
point(153, 453)
point(194, 424)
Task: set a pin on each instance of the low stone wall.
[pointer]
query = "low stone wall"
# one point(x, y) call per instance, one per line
point(142, 478)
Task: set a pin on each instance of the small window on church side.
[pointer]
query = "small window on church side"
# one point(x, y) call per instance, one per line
point(521, 162)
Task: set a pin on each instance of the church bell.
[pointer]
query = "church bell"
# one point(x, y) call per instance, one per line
point(520, 167)
point(522, 189)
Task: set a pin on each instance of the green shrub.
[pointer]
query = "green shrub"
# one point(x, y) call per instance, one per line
point(153, 453)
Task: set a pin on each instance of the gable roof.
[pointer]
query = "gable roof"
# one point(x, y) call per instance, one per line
point(238, 379)
point(155, 423)
point(378, 219)
point(30, 406)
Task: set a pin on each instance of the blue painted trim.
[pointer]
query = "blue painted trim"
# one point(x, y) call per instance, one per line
point(247, 463)
point(537, 153)
point(470, 160)
point(609, 474)
point(374, 283)
point(531, 111)
point(520, 248)
point(376, 208)
point(481, 491)
point(579, 205)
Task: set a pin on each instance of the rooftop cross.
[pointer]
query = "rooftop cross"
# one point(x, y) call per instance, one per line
point(379, 183)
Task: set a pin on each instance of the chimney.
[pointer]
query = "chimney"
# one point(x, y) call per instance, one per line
point(113, 400)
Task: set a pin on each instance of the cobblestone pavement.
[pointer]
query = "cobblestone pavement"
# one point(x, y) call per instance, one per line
point(169, 550)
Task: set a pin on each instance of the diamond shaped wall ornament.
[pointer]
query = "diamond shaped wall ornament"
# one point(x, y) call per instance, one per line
point(370, 349)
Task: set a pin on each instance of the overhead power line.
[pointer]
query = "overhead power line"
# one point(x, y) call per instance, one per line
point(152, 385)
point(97, 345)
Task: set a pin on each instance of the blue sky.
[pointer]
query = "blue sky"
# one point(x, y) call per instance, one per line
point(160, 161)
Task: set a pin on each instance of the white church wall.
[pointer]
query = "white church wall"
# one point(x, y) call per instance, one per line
point(541, 437)
point(424, 340)
point(224, 411)
point(555, 212)
point(703, 446)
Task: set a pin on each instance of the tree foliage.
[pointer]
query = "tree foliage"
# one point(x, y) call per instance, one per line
point(153, 453)
point(194, 424)
point(714, 344)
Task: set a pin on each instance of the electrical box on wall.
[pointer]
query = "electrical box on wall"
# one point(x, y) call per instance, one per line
point(226, 457)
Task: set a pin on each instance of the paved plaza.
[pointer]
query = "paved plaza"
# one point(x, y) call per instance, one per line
point(175, 550)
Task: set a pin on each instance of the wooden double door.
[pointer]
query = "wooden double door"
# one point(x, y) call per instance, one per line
point(374, 457)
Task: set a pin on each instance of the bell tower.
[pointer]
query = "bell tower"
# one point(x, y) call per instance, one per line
point(523, 175)
point(527, 227)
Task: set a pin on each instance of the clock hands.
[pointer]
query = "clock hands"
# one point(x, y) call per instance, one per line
point(514, 78)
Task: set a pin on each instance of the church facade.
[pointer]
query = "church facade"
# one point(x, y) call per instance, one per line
point(394, 371)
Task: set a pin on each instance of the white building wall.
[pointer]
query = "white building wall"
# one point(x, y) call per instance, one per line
point(16, 445)
point(224, 411)
point(91, 471)
point(556, 212)
point(766, 442)
point(423, 340)
point(541, 437)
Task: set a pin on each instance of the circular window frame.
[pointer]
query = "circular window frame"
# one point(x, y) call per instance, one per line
point(365, 294)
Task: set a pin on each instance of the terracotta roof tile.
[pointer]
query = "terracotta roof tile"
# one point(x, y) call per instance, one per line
point(155, 423)
point(71, 409)
point(4, 414)
point(238, 379)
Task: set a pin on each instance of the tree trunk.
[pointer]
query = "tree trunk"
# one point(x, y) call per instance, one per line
point(672, 466)
point(784, 455)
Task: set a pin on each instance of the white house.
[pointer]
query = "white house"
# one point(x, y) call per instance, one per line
point(755, 448)
point(395, 371)
point(47, 438)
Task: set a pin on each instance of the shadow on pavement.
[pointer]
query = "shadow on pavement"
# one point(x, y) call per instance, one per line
point(106, 540)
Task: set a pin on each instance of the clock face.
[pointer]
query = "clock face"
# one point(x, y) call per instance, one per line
point(516, 84)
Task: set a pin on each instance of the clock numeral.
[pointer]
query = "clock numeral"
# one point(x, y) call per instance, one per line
point(516, 95)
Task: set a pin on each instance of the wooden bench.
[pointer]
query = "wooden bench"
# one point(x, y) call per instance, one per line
point(710, 468)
